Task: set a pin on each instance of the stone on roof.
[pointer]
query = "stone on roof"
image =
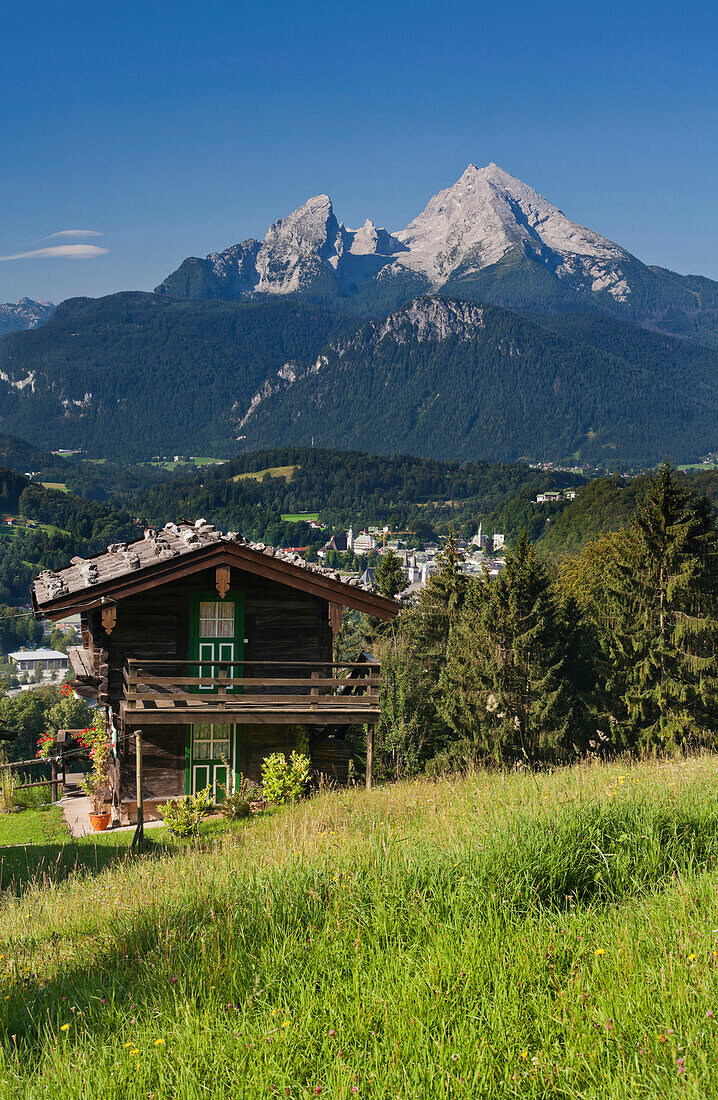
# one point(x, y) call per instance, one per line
point(171, 541)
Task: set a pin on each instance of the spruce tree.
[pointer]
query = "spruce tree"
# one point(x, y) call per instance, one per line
point(413, 653)
point(503, 685)
point(389, 575)
point(662, 626)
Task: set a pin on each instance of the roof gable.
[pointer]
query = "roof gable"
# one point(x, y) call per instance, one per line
point(125, 569)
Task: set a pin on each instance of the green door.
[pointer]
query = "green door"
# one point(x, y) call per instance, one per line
point(212, 750)
point(216, 634)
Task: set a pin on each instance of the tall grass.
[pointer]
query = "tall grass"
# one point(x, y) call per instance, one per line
point(500, 936)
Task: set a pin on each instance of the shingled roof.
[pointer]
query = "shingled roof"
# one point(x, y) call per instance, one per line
point(174, 543)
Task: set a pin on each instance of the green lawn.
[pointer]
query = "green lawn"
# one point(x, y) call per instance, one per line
point(297, 517)
point(33, 827)
point(504, 935)
point(287, 472)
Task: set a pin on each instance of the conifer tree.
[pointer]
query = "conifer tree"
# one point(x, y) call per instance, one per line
point(662, 624)
point(389, 575)
point(503, 685)
point(412, 655)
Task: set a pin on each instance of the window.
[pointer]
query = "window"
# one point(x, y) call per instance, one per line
point(211, 742)
point(216, 620)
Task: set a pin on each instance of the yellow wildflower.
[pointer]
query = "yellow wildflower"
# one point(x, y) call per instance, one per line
point(135, 1051)
point(65, 1027)
point(599, 951)
point(691, 957)
point(159, 1042)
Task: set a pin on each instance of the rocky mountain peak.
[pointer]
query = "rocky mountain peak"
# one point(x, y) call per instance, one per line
point(484, 225)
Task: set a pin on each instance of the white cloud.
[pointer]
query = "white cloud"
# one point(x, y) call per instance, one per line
point(73, 251)
point(72, 233)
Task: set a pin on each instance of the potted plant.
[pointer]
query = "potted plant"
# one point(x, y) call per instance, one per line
point(97, 784)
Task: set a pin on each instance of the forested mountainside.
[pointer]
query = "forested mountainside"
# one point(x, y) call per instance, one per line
point(454, 379)
point(133, 375)
point(345, 487)
point(489, 237)
point(64, 525)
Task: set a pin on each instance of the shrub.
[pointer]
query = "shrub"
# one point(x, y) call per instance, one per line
point(183, 815)
point(285, 780)
point(33, 798)
point(234, 806)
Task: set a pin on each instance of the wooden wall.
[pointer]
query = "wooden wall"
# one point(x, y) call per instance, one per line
point(163, 757)
point(162, 764)
point(280, 623)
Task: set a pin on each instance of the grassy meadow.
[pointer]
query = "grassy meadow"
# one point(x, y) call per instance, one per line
point(33, 826)
point(495, 936)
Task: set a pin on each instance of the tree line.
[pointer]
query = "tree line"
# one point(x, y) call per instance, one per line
point(615, 649)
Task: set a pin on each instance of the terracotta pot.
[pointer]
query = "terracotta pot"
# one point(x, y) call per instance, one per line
point(99, 822)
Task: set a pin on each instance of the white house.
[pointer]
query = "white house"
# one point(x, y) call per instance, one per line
point(364, 543)
point(34, 660)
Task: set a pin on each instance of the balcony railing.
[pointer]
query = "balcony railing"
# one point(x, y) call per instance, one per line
point(305, 692)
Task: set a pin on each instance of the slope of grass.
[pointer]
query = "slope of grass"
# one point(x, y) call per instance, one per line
point(32, 826)
point(285, 472)
point(501, 936)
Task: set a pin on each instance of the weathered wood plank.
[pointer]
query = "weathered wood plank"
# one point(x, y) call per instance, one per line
point(289, 717)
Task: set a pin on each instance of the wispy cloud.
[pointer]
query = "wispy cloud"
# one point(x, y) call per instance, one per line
point(57, 251)
point(72, 233)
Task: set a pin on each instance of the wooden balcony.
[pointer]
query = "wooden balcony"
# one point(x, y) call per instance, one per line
point(262, 692)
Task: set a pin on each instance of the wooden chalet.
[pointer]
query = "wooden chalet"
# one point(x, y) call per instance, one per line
point(217, 649)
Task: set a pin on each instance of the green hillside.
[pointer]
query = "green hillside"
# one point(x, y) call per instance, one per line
point(65, 525)
point(501, 935)
point(345, 487)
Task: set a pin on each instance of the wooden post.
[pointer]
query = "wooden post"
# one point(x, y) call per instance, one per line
point(53, 766)
point(369, 755)
point(140, 830)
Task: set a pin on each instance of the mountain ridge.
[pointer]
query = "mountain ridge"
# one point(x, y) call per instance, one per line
point(468, 381)
point(24, 314)
point(489, 237)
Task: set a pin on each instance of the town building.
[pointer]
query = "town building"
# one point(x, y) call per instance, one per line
point(364, 543)
point(39, 660)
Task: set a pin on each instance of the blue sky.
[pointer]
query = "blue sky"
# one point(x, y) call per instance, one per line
point(173, 129)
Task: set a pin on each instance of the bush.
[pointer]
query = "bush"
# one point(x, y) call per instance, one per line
point(285, 780)
point(234, 806)
point(183, 815)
